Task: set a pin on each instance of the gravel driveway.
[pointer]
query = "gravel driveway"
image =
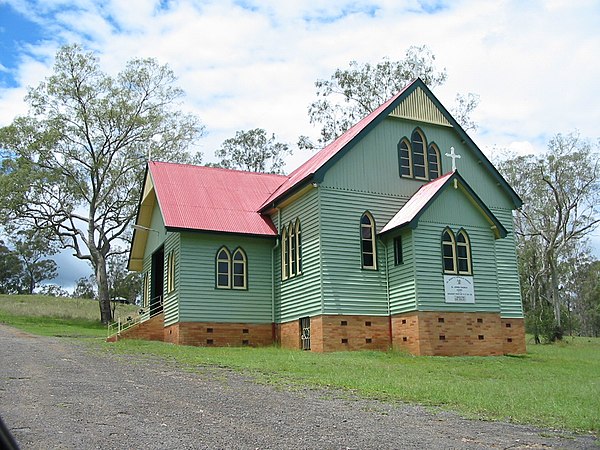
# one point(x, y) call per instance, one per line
point(61, 393)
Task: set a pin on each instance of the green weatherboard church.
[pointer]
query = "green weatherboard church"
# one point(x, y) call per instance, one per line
point(383, 239)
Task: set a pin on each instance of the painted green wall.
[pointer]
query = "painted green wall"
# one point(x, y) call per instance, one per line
point(372, 164)
point(201, 301)
point(508, 273)
point(300, 296)
point(428, 261)
point(401, 278)
point(347, 288)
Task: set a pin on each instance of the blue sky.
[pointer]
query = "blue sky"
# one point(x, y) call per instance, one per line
point(253, 63)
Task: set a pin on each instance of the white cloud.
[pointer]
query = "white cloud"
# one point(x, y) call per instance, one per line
point(251, 63)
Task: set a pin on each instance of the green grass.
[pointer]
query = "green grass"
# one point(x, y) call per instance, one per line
point(554, 386)
point(51, 316)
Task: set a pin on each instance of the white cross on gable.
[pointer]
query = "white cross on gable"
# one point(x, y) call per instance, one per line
point(454, 157)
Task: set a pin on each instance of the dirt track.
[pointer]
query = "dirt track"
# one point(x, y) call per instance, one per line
point(61, 393)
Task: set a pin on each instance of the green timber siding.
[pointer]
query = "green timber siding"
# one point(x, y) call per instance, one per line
point(347, 288)
point(428, 254)
point(300, 296)
point(508, 273)
point(372, 164)
point(171, 299)
point(402, 277)
point(201, 301)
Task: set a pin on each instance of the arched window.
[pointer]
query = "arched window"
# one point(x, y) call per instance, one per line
point(223, 268)
point(405, 158)
point(463, 253)
point(418, 155)
point(293, 250)
point(298, 247)
point(285, 251)
point(433, 162)
point(448, 251)
point(240, 269)
point(367, 241)
point(416, 159)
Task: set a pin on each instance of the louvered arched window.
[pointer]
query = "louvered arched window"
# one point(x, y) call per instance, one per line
point(405, 158)
point(418, 155)
point(417, 159)
point(367, 241)
point(433, 162)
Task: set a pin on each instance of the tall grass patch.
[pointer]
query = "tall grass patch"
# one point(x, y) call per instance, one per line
point(56, 316)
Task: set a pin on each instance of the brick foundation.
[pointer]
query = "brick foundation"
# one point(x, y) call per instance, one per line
point(332, 333)
point(217, 334)
point(288, 334)
point(150, 330)
point(514, 336)
point(419, 333)
point(457, 334)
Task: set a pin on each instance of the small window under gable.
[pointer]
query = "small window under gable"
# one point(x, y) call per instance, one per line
point(398, 258)
point(223, 268)
point(367, 241)
point(456, 252)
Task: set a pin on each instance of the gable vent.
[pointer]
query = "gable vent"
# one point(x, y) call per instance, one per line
point(418, 106)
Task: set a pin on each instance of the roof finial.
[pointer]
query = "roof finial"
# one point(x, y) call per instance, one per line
point(454, 157)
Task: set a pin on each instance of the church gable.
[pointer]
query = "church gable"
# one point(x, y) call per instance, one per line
point(419, 107)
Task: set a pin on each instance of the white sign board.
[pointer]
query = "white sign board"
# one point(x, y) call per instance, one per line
point(459, 289)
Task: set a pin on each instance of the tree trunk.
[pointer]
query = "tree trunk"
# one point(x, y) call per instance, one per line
point(103, 291)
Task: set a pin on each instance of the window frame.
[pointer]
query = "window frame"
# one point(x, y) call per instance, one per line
point(244, 262)
point(291, 250)
point(436, 151)
point(398, 251)
point(170, 272)
point(146, 290)
point(452, 245)
point(217, 272)
point(467, 246)
point(284, 254)
point(418, 132)
point(373, 240)
point(298, 246)
point(405, 141)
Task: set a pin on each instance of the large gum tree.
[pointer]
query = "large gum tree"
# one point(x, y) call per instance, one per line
point(73, 166)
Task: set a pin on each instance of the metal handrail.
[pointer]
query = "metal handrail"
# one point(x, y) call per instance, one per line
point(145, 313)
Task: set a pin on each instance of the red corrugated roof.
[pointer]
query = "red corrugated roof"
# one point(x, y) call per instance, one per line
point(416, 203)
point(323, 156)
point(213, 199)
